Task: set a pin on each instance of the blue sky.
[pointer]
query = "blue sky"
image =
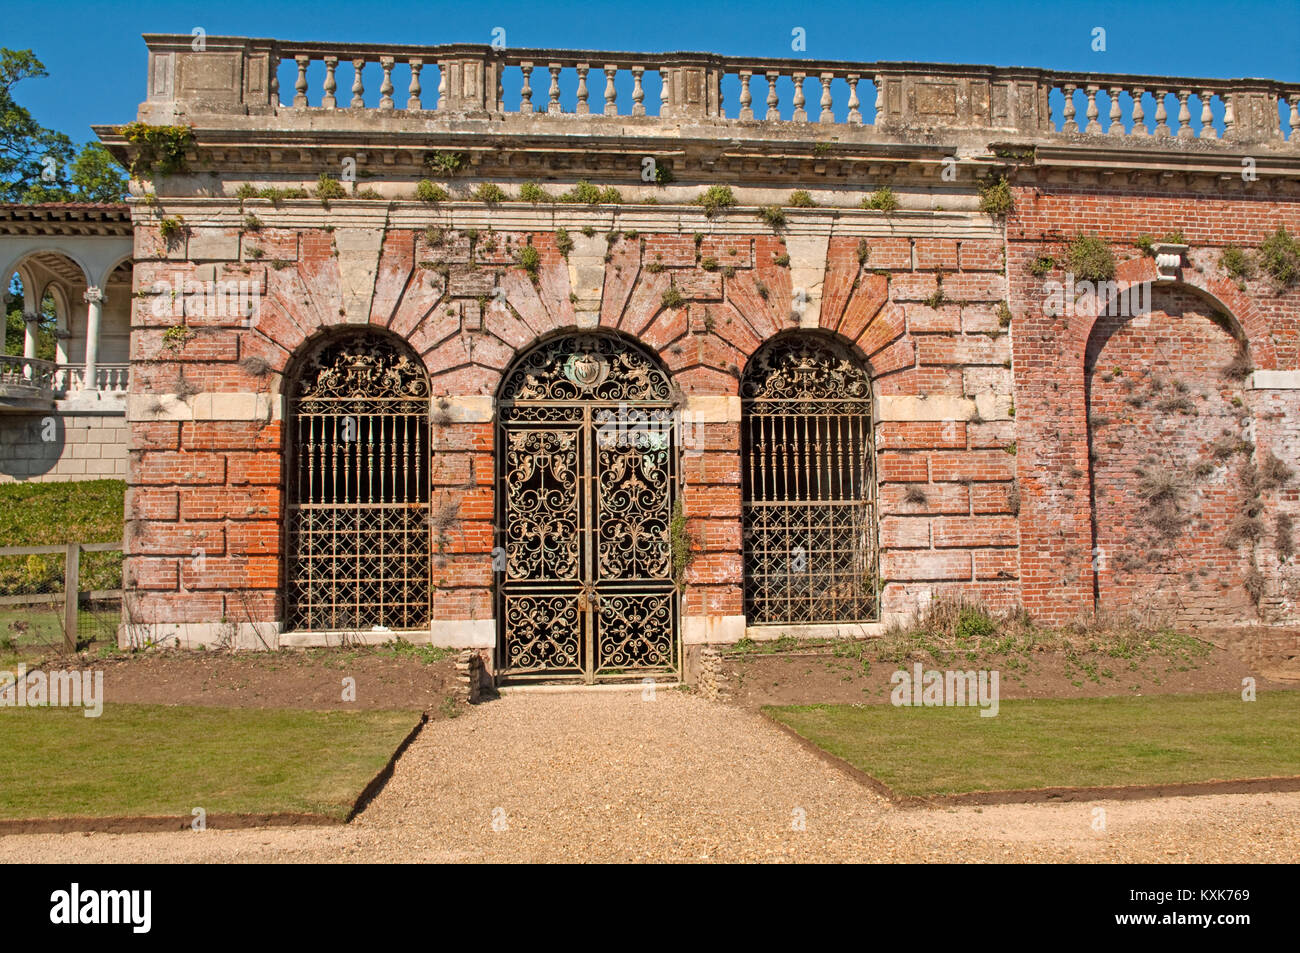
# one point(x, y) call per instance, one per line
point(97, 60)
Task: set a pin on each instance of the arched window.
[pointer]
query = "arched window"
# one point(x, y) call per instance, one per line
point(808, 485)
point(358, 487)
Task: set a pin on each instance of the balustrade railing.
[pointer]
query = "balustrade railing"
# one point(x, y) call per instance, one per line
point(109, 378)
point(26, 377)
point(472, 80)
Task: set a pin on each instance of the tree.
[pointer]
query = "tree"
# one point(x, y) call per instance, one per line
point(39, 164)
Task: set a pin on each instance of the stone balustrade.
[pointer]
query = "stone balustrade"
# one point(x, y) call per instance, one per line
point(466, 81)
point(25, 379)
point(109, 378)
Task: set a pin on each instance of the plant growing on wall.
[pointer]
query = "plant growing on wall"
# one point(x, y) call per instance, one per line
point(446, 163)
point(329, 188)
point(530, 260)
point(715, 199)
point(158, 149)
point(681, 543)
point(1279, 255)
point(801, 199)
point(882, 200)
point(429, 192)
point(1090, 259)
point(995, 197)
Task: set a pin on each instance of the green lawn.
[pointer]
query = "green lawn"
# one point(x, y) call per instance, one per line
point(162, 760)
point(1157, 739)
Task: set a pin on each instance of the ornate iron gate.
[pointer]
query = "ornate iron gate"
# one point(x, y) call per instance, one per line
point(808, 507)
point(358, 488)
point(587, 473)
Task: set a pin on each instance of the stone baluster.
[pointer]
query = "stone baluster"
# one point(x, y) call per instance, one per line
point(773, 101)
point(386, 87)
point(413, 91)
point(611, 94)
point(1094, 127)
point(328, 101)
point(1162, 117)
point(1068, 111)
point(275, 79)
point(855, 105)
point(358, 85)
point(800, 114)
point(827, 113)
point(638, 91)
point(526, 90)
point(442, 87)
point(300, 85)
point(880, 99)
point(664, 92)
point(1116, 127)
point(553, 107)
point(1294, 119)
point(1139, 117)
point(1207, 116)
point(746, 97)
point(1229, 116)
point(582, 107)
point(1184, 115)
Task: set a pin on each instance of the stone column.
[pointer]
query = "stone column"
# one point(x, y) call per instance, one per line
point(31, 323)
point(94, 298)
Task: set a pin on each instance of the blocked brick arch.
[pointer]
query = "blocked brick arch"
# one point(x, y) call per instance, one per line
point(1171, 436)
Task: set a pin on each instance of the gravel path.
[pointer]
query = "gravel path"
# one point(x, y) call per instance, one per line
point(610, 777)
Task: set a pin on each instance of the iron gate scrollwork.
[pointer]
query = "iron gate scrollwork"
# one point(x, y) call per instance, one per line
point(358, 488)
point(587, 474)
point(808, 507)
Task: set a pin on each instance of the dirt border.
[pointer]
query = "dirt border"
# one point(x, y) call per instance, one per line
point(150, 823)
point(1128, 792)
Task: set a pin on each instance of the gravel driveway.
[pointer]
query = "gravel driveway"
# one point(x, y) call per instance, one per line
point(606, 776)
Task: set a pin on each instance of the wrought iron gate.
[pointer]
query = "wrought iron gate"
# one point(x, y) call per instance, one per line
point(808, 507)
point(358, 488)
point(587, 473)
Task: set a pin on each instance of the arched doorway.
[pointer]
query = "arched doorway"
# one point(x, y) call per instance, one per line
point(358, 487)
point(808, 485)
point(586, 477)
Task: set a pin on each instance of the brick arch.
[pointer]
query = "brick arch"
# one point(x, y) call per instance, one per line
point(1222, 294)
point(1163, 416)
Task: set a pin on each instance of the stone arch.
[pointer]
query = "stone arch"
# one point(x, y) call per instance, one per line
point(1169, 428)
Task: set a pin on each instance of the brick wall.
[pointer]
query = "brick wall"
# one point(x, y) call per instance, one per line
point(986, 485)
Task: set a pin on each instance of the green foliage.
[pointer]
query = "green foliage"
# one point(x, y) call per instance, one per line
point(716, 198)
point(881, 200)
point(563, 242)
point(783, 260)
point(709, 264)
point(1091, 259)
point(1147, 245)
point(252, 223)
point(864, 251)
point(772, 215)
point(171, 228)
point(1004, 315)
point(530, 260)
point(489, 193)
point(430, 193)
point(175, 337)
point(445, 163)
point(158, 149)
point(532, 192)
point(1041, 266)
point(681, 543)
point(672, 298)
point(1279, 255)
point(329, 188)
point(995, 196)
point(584, 193)
point(801, 199)
point(1236, 263)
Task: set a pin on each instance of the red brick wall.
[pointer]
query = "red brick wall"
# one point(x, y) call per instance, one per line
point(1001, 508)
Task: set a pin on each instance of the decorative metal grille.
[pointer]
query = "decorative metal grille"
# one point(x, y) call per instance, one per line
point(587, 471)
point(358, 501)
point(808, 508)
